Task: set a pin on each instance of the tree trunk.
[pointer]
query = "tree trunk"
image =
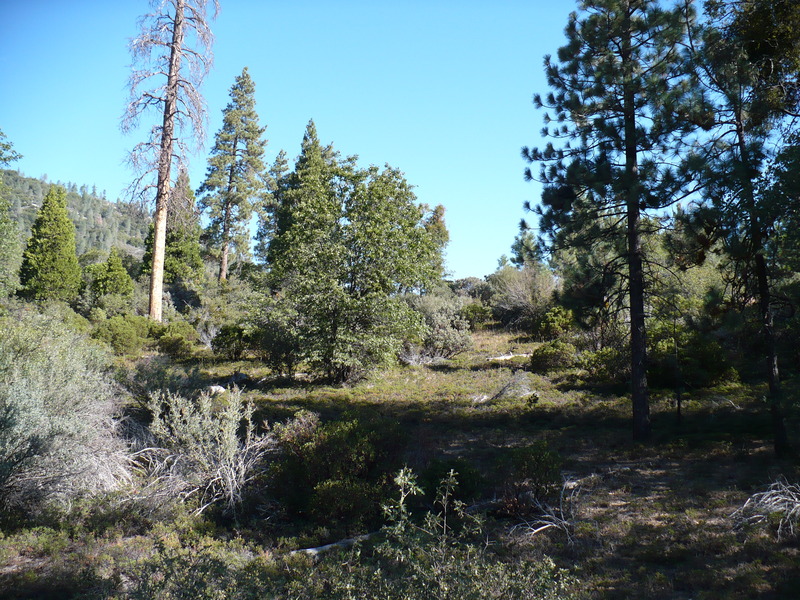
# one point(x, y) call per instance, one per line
point(165, 164)
point(780, 439)
point(639, 393)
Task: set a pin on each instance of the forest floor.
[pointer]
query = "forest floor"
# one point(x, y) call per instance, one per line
point(643, 520)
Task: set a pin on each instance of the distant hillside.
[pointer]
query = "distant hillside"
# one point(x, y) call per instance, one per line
point(99, 224)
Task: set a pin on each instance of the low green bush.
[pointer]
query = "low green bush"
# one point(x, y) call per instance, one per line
point(553, 355)
point(531, 476)
point(326, 467)
point(231, 342)
point(607, 366)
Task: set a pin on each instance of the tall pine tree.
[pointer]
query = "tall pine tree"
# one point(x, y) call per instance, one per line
point(50, 269)
point(235, 175)
point(9, 232)
point(618, 86)
point(174, 44)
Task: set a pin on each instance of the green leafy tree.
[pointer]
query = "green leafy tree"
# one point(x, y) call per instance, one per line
point(618, 89)
point(9, 233)
point(235, 173)
point(50, 269)
point(346, 242)
point(164, 49)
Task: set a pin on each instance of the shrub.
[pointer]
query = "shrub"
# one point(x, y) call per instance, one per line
point(122, 333)
point(177, 339)
point(444, 557)
point(325, 467)
point(57, 408)
point(231, 342)
point(521, 296)
point(476, 314)
point(198, 452)
point(553, 355)
point(447, 332)
point(556, 323)
point(531, 477)
point(609, 365)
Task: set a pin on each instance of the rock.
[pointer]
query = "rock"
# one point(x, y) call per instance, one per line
point(216, 389)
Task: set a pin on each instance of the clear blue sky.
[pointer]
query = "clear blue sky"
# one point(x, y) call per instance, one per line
point(440, 89)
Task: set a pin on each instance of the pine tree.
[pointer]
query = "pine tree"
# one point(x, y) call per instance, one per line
point(618, 87)
point(9, 232)
point(50, 269)
point(747, 58)
point(163, 50)
point(111, 277)
point(182, 256)
point(235, 173)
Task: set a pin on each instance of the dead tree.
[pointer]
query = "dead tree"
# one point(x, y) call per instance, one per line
point(171, 57)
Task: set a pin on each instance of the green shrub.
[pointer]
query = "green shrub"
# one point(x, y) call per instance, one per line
point(122, 333)
point(476, 314)
point(470, 481)
point(345, 456)
point(177, 339)
point(553, 355)
point(531, 476)
point(608, 365)
point(556, 323)
point(231, 342)
point(444, 557)
point(57, 403)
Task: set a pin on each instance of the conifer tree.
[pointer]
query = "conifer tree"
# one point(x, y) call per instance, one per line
point(345, 241)
point(9, 233)
point(618, 87)
point(746, 59)
point(111, 277)
point(50, 269)
point(182, 256)
point(235, 173)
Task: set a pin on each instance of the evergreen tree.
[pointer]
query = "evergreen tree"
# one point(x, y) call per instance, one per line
point(182, 257)
point(346, 242)
point(235, 173)
point(9, 232)
point(50, 269)
point(743, 205)
point(618, 88)
point(111, 277)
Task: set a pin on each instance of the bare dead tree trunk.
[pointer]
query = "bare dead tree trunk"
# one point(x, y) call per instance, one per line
point(165, 164)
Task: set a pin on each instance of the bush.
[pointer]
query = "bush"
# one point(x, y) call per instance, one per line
point(231, 342)
point(123, 333)
point(556, 323)
point(531, 478)
point(177, 339)
point(197, 452)
point(476, 314)
point(327, 467)
point(553, 355)
point(608, 365)
point(444, 557)
point(447, 332)
point(57, 408)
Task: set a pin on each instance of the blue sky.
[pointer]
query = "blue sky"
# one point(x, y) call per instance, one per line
point(440, 89)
